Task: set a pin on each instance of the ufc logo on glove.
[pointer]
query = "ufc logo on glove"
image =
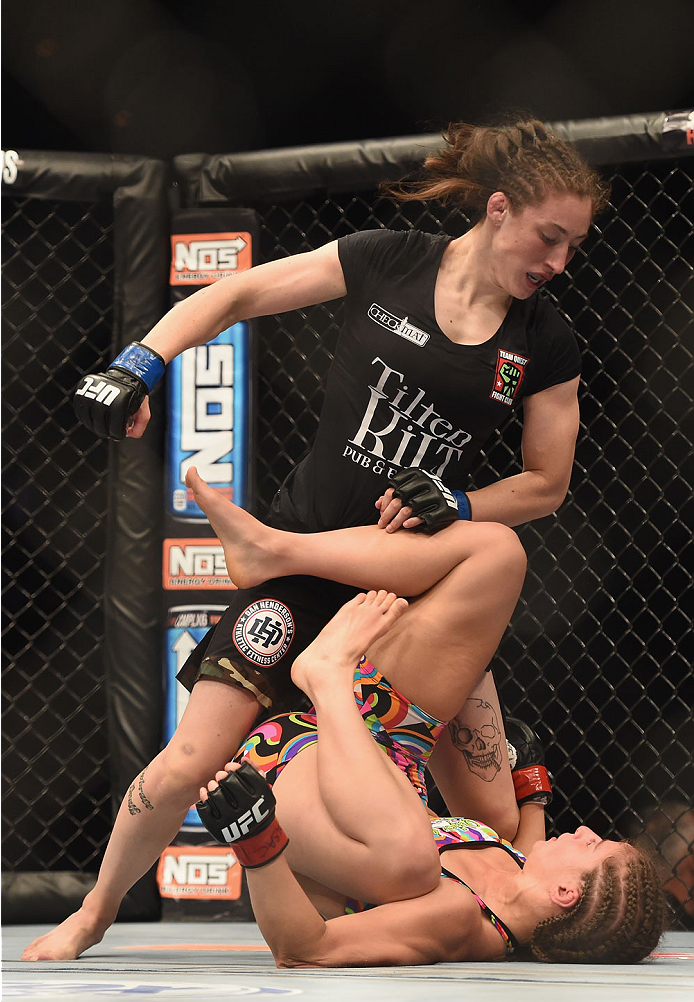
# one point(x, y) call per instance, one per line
point(239, 829)
point(104, 393)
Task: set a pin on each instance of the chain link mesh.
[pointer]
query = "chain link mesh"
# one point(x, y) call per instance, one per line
point(595, 657)
point(58, 303)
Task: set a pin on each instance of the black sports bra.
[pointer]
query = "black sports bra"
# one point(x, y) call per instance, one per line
point(464, 833)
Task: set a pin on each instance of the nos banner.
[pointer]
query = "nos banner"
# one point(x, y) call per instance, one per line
point(210, 387)
point(210, 422)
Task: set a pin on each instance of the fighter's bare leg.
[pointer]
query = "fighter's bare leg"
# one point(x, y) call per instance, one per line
point(437, 658)
point(403, 562)
point(346, 785)
point(215, 721)
point(470, 763)
point(435, 655)
point(448, 636)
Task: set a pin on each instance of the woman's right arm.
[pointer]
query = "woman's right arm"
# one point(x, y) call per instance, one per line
point(238, 809)
point(274, 287)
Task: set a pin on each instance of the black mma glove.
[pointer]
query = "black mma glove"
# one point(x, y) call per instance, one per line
point(104, 402)
point(429, 499)
point(241, 812)
point(531, 780)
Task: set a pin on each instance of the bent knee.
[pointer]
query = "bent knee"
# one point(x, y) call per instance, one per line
point(504, 819)
point(502, 542)
point(424, 871)
point(411, 868)
point(182, 770)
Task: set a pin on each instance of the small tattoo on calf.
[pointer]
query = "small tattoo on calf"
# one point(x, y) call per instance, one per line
point(131, 805)
point(140, 789)
point(475, 732)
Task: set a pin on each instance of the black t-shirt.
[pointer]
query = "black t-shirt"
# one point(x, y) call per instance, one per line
point(401, 394)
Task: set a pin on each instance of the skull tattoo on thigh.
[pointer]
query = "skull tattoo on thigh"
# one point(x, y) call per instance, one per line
point(475, 732)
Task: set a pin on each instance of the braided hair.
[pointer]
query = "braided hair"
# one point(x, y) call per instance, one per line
point(522, 159)
point(618, 919)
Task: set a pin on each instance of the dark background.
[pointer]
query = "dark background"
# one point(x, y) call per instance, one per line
point(163, 77)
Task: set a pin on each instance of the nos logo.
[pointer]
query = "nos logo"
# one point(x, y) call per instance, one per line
point(207, 411)
point(203, 258)
point(194, 563)
point(201, 255)
point(193, 868)
point(198, 872)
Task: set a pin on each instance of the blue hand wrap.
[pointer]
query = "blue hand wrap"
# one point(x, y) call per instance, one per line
point(142, 362)
point(463, 505)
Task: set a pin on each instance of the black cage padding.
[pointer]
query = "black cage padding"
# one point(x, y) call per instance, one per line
point(302, 171)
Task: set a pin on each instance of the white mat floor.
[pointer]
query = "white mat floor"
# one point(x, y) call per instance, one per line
point(211, 962)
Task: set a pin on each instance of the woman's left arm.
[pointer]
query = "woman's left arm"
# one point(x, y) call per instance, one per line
point(550, 428)
point(420, 930)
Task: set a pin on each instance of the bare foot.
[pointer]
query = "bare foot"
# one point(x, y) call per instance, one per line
point(247, 542)
point(348, 635)
point(68, 940)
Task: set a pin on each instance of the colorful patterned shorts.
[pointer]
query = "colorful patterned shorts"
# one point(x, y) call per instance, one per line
point(405, 732)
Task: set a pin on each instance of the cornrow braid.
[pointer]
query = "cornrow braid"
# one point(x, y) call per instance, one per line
point(522, 159)
point(618, 919)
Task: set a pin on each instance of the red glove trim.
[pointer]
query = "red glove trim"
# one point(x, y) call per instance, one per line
point(262, 848)
point(532, 783)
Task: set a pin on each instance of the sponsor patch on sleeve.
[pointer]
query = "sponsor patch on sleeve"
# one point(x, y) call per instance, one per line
point(510, 370)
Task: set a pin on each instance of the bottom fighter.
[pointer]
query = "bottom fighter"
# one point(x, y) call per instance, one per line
point(362, 881)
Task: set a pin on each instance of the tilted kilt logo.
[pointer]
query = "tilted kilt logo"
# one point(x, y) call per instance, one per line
point(401, 428)
point(510, 369)
point(398, 325)
point(264, 631)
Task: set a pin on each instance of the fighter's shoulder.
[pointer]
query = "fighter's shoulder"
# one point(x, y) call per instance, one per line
point(465, 934)
point(543, 316)
point(383, 245)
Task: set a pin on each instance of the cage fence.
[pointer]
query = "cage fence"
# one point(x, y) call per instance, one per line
point(58, 316)
point(595, 658)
